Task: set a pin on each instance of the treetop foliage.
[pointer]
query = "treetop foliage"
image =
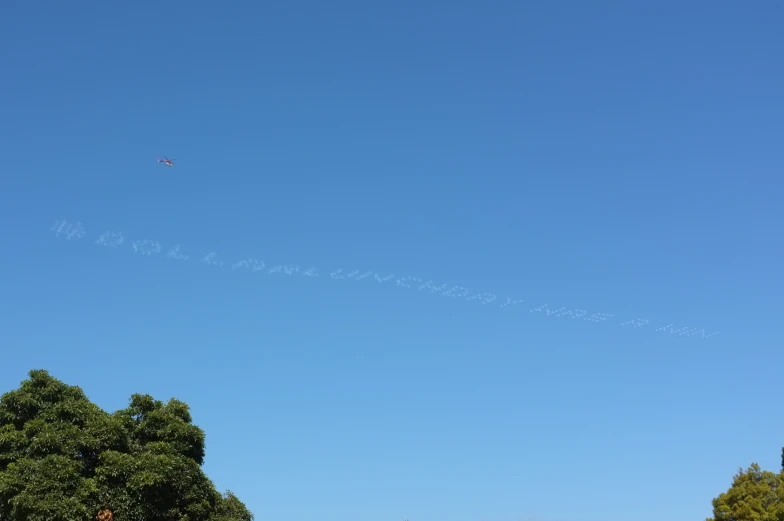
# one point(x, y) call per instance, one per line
point(755, 495)
point(62, 458)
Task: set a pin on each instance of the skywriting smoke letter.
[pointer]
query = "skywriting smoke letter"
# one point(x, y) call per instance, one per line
point(146, 247)
point(111, 239)
point(68, 230)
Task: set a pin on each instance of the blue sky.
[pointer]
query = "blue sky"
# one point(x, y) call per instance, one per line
point(609, 157)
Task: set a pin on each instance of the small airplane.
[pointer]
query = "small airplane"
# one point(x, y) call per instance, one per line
point(166, 161)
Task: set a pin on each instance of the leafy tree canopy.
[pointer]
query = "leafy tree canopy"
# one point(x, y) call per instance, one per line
point(755, 495)
point(62, 458)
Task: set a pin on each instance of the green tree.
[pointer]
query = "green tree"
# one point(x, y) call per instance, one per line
point(62, 458)
point(755, 495)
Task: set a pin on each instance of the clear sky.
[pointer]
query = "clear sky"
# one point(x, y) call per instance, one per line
point(614, 157)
